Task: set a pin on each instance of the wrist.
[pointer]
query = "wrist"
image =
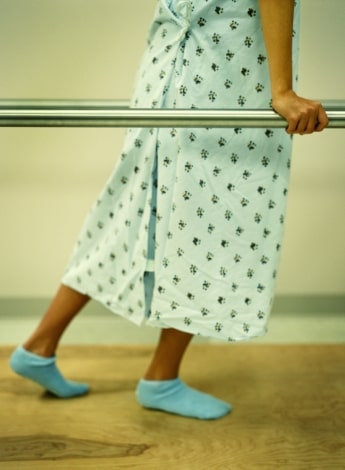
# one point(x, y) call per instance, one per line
point(279, 93)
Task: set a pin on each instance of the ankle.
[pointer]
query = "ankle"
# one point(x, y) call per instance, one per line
point(40, 349)
point(160, 375)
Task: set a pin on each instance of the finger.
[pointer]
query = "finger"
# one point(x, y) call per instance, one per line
point(312, 122)
point(309, 120)
point(322, 119)
point(302, 124)
point(292, 125)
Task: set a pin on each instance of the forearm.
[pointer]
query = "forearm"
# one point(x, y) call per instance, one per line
point(277, 26)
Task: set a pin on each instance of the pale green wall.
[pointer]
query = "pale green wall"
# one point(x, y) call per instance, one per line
point(49, 177)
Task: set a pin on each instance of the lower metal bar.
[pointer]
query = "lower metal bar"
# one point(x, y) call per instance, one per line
point(81, 113)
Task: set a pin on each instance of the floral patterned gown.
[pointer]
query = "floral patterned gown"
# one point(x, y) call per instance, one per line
point(187, 231)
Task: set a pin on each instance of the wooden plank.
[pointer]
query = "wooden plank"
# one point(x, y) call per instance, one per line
point(289, 412)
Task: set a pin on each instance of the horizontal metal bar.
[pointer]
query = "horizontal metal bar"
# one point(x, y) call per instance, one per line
point(98, 113)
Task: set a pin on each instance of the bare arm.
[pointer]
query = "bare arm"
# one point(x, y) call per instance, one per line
point(303, 116)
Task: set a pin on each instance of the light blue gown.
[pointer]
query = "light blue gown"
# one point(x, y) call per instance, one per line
point(199, 213)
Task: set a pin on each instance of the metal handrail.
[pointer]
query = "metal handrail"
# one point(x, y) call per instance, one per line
point(99, 113)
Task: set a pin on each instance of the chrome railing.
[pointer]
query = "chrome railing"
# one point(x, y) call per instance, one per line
point(96, 113)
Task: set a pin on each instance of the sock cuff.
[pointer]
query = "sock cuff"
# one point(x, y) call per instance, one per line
point(34, 359)
point(155, 383)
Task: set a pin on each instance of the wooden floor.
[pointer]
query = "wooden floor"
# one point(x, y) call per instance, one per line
point(289, 412)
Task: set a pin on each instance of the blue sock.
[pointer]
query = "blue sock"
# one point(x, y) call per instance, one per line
point(43, 371)
point(176, 397)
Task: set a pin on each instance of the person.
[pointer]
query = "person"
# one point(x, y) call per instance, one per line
point(187, 231)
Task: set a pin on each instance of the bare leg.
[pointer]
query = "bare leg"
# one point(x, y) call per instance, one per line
point(35, 360)
point(161, 389)
point(66, 304)
point(168, 355)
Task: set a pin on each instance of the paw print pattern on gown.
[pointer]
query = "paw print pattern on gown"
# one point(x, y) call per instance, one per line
point(209, 203)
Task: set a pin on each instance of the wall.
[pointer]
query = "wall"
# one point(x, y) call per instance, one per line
point(49, 177)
